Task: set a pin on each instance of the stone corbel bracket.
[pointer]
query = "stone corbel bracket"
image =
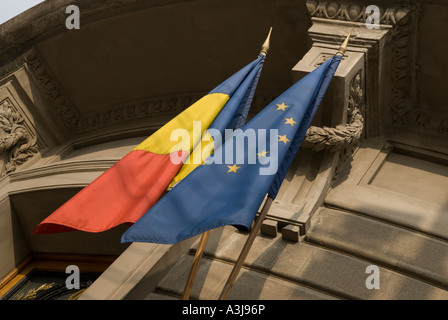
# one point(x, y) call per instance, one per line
point(356, 106)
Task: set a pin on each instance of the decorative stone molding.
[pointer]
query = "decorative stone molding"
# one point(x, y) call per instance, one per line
point(49, 86)
point(424, 120)
point(397, 100)
point(403, 105)
point(136, 110)
point(388, 50)
point(17, 144)
point(403, 109)
point(66, 167)
point(163, 105)
point(71, 118)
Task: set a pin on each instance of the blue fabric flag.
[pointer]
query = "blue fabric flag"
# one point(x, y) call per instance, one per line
point(230, 187)
point(240, 87)
point(237, 108)
point(306, 122)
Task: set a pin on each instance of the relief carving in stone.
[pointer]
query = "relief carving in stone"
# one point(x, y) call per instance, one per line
point(353, 12)
point(40, 72)
point(17, 144)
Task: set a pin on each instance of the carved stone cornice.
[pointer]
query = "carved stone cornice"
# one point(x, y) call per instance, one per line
point(63, 168)
point(76, 123)
point(48, 84)
point(389, 54)
point(355, 12)
point(401, 106)
point(424, 121)
point(163, 105)
point(167, 105)
point(404, 108)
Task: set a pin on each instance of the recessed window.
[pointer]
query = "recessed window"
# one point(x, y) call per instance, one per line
point(52, 279)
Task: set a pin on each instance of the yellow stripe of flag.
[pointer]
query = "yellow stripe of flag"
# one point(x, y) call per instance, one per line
point(205, 110)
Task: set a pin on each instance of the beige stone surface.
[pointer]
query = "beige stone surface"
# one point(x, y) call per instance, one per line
point(399, 248)
point(277, 269)
point(414, 177)
point(250, 284)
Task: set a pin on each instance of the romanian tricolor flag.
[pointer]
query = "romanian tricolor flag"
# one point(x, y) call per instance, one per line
point(127, 190)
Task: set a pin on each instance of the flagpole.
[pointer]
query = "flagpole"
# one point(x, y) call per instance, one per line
point(195, 265)
point(205, 235)
point(251, 238)
point(245, 251)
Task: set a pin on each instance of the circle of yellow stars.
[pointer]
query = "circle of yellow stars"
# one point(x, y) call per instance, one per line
point(283, 138)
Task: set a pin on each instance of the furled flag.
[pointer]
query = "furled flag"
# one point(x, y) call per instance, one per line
point(230, 191)
point(128, 189)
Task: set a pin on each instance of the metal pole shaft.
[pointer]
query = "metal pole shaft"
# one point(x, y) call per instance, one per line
point(195, 265)
point(245, 251)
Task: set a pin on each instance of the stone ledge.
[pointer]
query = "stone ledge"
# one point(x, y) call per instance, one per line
point(400, 249)
point(250, 284)
point(324, 270)
point(391, 206)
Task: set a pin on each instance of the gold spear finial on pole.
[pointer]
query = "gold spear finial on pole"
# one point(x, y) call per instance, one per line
point(265, 46)
point(344, 45)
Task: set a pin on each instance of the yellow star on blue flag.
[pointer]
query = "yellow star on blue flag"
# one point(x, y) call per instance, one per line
point(233, 168)
point(290, 121)
point(282, 106)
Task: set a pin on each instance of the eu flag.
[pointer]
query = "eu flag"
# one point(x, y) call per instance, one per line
point(230, 187)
